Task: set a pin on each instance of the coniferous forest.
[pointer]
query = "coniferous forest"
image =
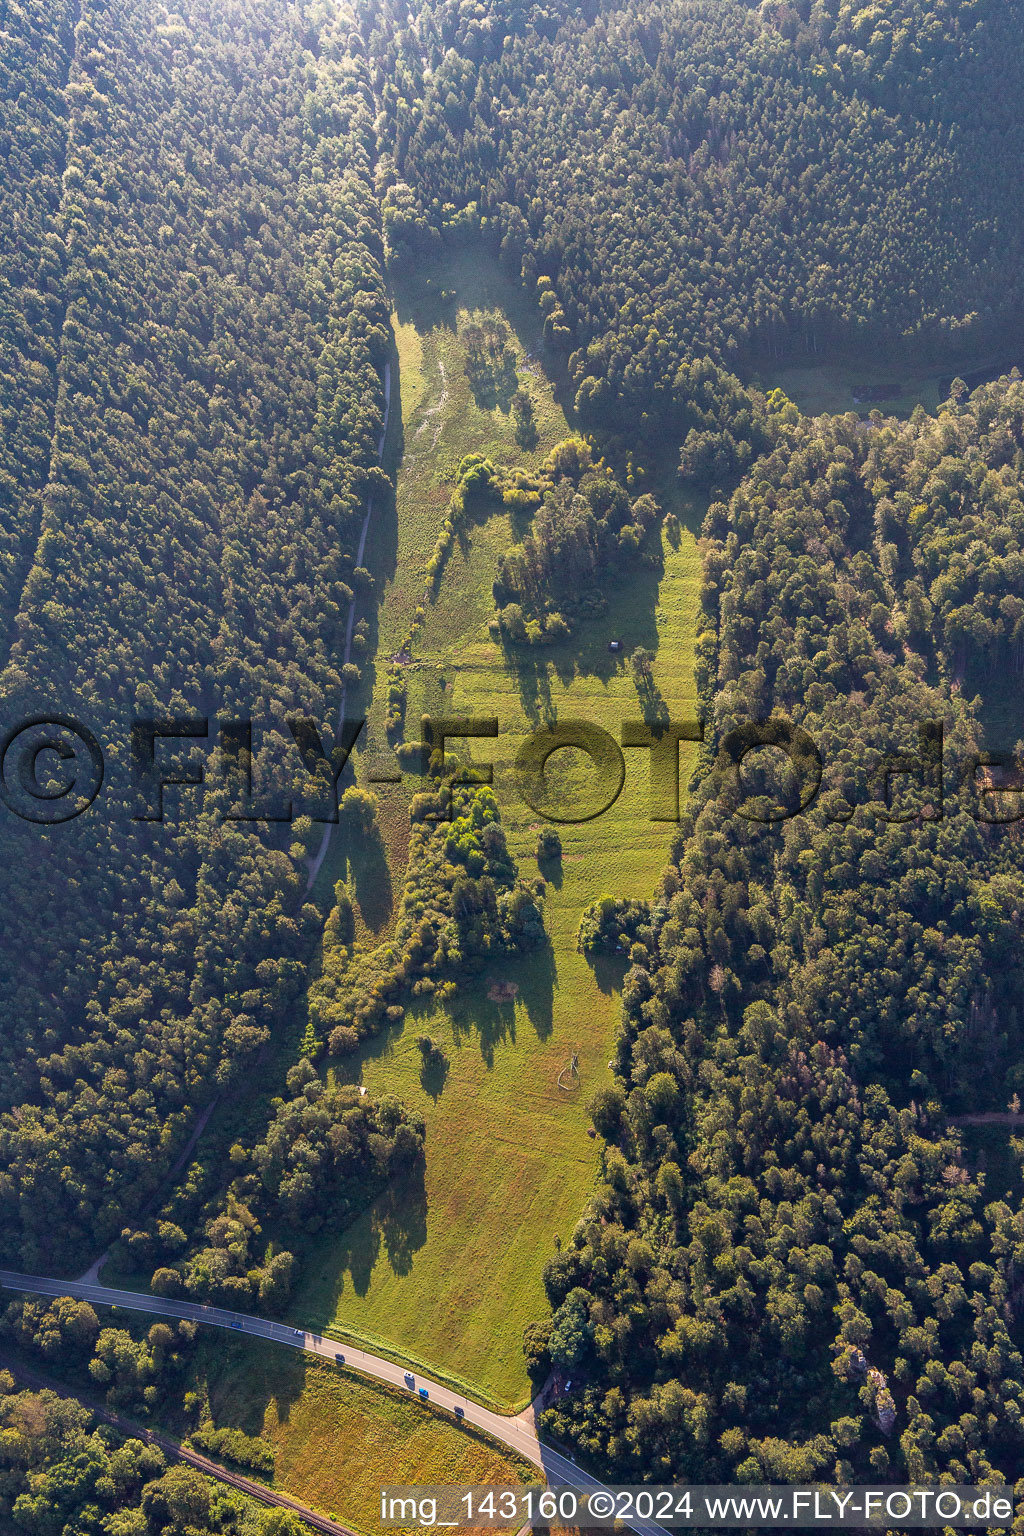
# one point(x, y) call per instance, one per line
point(208, 254)
point(793, 1266)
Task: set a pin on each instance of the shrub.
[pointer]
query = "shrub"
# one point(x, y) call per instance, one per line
point(236, 1446)
point(549, 844)
point(432, 1052)
point(536, 1339)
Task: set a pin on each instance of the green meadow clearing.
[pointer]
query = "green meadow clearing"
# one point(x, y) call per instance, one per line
point(447, 1270)
point(836, 382)
point(337, 1436)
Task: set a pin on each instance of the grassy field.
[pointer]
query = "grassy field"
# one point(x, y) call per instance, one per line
point(448, 1271)
point(441, 418)
point(435, 421)
point(336, 1435)
point(835, 387)
point(837, 384)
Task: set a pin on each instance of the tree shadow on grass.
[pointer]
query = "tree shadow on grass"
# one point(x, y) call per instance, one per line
point(372, 879)
point(422, 300)
point(539, 996)
point(478, 514)
point(653, 707)
point(531, 674)
point(630, 618)
point(396, 1223)
point(490, 363)
point(609, 971)
point(243, 1378)
point(401, 1216)
point(552, 871)
point(434, 1075)
point(474, 1013)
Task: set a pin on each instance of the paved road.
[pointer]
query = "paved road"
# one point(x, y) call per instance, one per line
point(518, 1433)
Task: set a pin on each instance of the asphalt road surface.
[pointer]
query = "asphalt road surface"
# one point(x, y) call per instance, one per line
point(517, 1432)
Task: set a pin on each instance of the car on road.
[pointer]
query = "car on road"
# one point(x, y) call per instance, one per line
point(460, 1413)
point(298, 1333)
point(424, 1393)
point(236, 1325)
point(410, 1380)
point(339, 1359)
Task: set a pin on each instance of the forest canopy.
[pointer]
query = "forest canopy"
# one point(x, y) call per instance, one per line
point(193, 225)
point(715, 179)
point(791, 1268)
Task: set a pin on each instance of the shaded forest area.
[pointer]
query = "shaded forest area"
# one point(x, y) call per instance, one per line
point(684, 180)
point(195, 253)
point(791, 1270)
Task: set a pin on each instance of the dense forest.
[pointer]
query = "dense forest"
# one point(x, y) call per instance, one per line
point(36, 53)
point(202, 248)
point(722, 181)
point(791, 1270)
point(62, 1471)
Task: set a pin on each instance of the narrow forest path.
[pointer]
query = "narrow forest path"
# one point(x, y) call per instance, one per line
point(92, 1274)
point(436, 412)
point(317, 863)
